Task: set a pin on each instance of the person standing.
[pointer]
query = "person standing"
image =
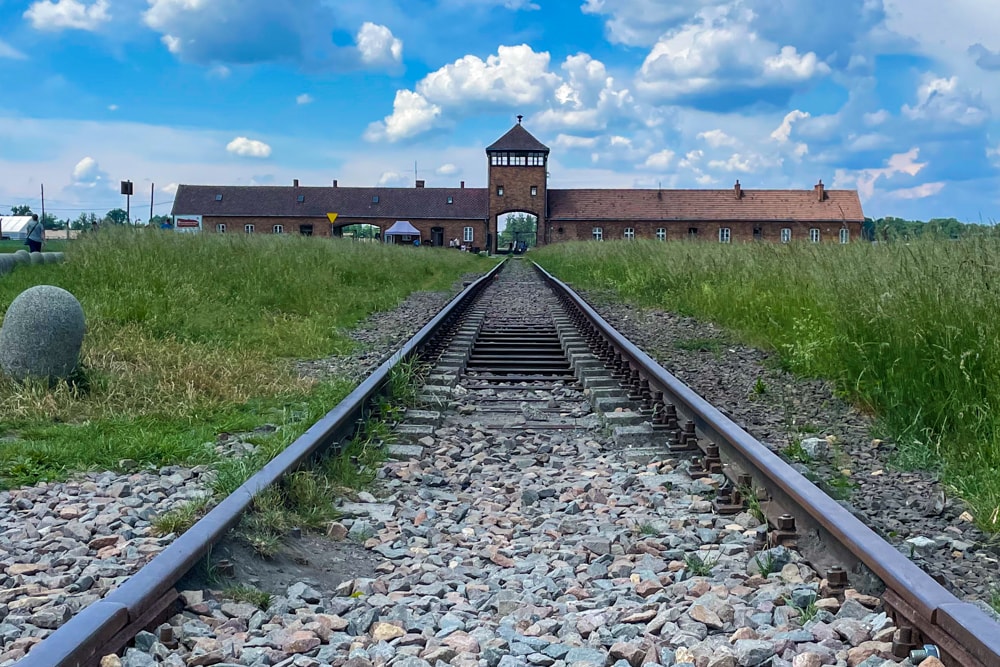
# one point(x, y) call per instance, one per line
point(36, 234)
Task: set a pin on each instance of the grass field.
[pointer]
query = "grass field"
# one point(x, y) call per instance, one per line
point(51, 245)
point(908, 331)
point(190, 336)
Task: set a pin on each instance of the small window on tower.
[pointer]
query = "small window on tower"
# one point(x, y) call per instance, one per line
point(534, 190)
point(499, 191)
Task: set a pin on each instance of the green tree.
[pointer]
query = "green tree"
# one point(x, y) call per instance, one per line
point(158, 220)
point(116, 216)
point(23, 209)
point(521, 227)
point(50, 221)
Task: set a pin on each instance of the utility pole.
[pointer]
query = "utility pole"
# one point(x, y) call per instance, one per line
point(151, 186)
point(43, 211)
point(127, 191)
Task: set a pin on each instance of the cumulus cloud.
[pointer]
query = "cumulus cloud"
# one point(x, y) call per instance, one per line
point(864, 179)
point(446, 170)
point(88, 174)
point(516, 76)
point(660, 160)
point(169, 188)
point(875, 117)
point(717, 138)
point(393, 178)
point(942, 100)
point(377, 46)
point(783, 131)
point(67, 14)
point(8, 51)
point(245, 147)
point(571, 142)
point(719, 51)
point(640, 22)
point(745, 163)
point(918, 192)
point(587, 98)
point(304, 98)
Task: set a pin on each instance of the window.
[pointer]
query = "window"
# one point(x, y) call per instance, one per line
point(248, 229)
point(300, 198)
point(758, 234)
point(467, 235)
point(374, 199)
point(278, 229)
point(692, 232)
point(451, 200)
point(597, 233)
point(725, 234)
point(786, 234)
point(661, 234)
point(536, 159)
point(814, 235)
point(499, 191)
point(218, 197)
point(534, 190)
point(221, 227)
point(845, 235)
point(630, 233)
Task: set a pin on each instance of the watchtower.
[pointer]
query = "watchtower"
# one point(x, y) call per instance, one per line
point(518, 179)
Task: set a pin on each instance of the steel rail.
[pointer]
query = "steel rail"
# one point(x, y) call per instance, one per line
point(966, 633)
point(108, 624)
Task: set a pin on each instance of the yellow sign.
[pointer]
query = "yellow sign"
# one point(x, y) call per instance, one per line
point(333, 217)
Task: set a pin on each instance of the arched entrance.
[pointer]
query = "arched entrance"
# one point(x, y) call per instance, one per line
point(516, 231)
point(359, 232)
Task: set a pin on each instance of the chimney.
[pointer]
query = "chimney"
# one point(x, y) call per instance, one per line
point(820, 190)
point(295, 183)
point(420, 184)
point(462, 185)
point(738, 190)
point(335, 182)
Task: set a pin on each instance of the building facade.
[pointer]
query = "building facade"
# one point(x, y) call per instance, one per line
point(517, 180)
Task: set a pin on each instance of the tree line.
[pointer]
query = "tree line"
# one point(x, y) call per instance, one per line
point(892, 228)
point(116, 216)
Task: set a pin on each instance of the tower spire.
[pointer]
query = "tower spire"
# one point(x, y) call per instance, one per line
point(519, 117)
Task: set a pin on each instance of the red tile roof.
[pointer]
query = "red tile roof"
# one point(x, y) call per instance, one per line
point(723, 205)
point(282, 201)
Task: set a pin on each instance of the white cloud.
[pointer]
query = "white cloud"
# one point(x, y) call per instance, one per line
point(245, 147)
point(516, 77)
point(571, 142)
point(864, 179)
point(8, 51)
point(719, 51)
point(112, 107)
point(304, 98)
point(169, 188)
point(691, 158)
point(875, 118)
point(639, 22)
point(717, 138)
point(940, 99)
point(660, 160)
point(784, 130)
point(88, 174)
point(393, 178)
point(745, 163)
point(446, 170)
point(377, 46)
point(63, 14)
point(220, 72)
point(919, 191)
point(587, 98)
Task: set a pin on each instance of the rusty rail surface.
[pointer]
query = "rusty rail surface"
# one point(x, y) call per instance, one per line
point(966, 635)
point(110, 623)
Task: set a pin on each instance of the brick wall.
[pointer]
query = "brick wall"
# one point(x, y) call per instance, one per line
point(266, 225)
point(517, 182)
point(708, 231)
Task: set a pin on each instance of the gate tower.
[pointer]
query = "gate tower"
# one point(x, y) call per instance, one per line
point(518, 180)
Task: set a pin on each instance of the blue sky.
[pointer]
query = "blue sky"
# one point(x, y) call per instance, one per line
point(873, 95)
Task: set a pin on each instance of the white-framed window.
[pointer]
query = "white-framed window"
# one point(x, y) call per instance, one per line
point(279, 229)
point(597, 233)
point(248, 229)
point(814, 235)
point(725, 234)
point(845, 235)
point(499, 191)
point(786, 234)
point(534, 190)
point(629, 233)
point(221, 227)
point(467, 235)
point(661, 234)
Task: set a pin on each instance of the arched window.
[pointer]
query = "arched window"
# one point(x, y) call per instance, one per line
point(278, 229)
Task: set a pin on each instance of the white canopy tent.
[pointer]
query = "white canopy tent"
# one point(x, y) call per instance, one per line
point(15, 227)
point(401, 228)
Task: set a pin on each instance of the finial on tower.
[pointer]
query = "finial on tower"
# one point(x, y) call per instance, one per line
point(519, 117)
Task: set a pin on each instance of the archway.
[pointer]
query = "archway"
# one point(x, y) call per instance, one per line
point(359, 232)
point(516, 231)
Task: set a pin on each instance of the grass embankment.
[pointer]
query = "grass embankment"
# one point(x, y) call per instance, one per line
point(910, 332)
point(191, 336)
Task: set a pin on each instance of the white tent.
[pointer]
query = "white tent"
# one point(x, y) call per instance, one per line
point(15, 227)
point(401, 228)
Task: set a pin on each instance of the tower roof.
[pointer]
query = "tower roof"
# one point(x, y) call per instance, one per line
point(517, 139)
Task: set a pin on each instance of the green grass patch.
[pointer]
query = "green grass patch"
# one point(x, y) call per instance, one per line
point(51, 245)
point(907, 331)
point(192, 335)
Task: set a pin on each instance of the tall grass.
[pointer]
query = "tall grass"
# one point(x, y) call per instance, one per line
point(190, 335)
point(908, 331)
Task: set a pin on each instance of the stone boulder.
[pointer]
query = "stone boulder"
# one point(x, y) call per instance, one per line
point(7, 263)
point(22, 256)
point(41, 334)
point(36, 258)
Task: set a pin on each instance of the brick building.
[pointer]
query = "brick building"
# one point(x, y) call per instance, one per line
point(518, 182)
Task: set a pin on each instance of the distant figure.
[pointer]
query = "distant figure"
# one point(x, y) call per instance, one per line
point(93, 226)
point(36, 235)
point(416, 243)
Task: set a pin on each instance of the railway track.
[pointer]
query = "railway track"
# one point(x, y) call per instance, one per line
point(558, 499)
